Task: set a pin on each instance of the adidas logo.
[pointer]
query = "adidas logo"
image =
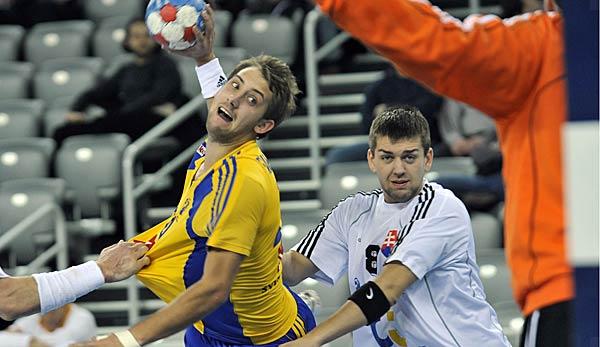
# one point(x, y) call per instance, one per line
point(221, 81)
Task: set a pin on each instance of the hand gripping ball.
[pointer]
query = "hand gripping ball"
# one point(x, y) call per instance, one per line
point(170, 22)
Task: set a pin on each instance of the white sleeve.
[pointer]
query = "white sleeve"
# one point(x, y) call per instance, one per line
point(432, 242)
point(326, 246)
point(2, 273)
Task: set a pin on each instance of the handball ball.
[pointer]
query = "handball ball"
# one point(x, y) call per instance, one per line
point(171, 22)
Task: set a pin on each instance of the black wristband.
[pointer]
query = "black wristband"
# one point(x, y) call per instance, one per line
point(371, 301)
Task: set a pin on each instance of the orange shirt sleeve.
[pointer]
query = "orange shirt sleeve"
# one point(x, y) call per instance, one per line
point(483, 61)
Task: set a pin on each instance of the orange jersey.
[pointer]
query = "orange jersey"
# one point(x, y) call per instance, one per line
point(513, 71)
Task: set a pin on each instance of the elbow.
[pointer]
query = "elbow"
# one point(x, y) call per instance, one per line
point(217, 294)
point(291, 280)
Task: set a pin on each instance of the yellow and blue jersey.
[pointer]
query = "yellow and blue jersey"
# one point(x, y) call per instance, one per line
point(234, 206)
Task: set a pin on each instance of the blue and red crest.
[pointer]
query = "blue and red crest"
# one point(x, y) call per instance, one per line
point(389, 242)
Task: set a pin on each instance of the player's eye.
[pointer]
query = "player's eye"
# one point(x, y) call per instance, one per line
point(252, 100)
point(387, 157)
point(235, 85)
point(410, 158)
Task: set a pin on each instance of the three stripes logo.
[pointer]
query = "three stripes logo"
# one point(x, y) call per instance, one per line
point(221, 82)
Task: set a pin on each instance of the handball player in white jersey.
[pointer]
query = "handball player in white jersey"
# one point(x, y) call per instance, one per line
point(407, 249)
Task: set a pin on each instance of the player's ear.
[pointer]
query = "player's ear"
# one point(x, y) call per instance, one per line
point(264, 126)
point(370, 157)
point(428, 159)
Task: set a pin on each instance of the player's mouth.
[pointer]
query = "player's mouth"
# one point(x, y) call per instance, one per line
point(224, 114)
point(400, 184)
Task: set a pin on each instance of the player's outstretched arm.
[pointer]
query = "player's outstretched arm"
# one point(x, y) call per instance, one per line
point(366, 305)
point(208, 70)
point(296, 268)
point(45, 292)
point(454, 58)
point(196, 302)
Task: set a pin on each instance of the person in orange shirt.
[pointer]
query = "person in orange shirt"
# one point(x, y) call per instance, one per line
point(512, 70)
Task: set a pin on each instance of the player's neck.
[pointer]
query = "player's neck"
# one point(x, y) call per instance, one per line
point(216, 150)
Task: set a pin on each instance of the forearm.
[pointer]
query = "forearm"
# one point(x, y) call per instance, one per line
point(190, 307)
point(348, 318)
point(18, 297)
point(451, 57)
point(296, 268)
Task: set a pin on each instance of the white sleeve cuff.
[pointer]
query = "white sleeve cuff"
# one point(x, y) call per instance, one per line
point(59, 288)
point(211, 78)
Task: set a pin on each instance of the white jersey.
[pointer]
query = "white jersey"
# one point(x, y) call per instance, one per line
point(78, 326)
point(431, 235)
point(2, 273)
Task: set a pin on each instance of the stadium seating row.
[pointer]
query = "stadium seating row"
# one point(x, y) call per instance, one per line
point(79, 38)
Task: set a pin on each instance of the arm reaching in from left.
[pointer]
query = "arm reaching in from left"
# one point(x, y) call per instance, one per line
point(20, 296)
point(392, 281)
point(196, 302)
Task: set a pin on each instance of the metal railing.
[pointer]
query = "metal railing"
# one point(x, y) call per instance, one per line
point(131, 191)
point(312, 56)
point(58, 250)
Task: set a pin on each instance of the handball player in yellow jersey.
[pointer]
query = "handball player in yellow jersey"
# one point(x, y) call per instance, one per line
point(216, 259)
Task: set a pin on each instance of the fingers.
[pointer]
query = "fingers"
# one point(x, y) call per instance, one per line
point(139, 249)
point(209, 24)
point(143, 261)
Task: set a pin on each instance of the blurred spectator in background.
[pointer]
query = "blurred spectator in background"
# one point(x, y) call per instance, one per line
point(136, 98)
point(393, 90)
point(469, 132)
point(58, 328)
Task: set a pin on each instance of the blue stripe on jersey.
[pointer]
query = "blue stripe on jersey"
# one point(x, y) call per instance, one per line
point(231, 183)
point(193, 161)
point(194, 266)
point(200, 193)
point(219, 192)
point(277, 238)
point(223, 324)
point(226, 183)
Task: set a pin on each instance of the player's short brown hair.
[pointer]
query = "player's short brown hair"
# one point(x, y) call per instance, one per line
point(282, 84)
point(401, 122)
